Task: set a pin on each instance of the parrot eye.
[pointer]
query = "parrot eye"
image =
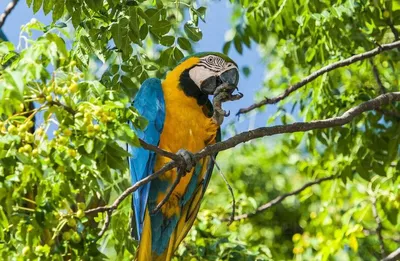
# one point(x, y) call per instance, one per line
point(210, 59)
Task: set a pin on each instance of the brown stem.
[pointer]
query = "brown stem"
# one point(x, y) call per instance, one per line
point(379, 226)
point(279, 199)
point(395, 255)
point(7, 11)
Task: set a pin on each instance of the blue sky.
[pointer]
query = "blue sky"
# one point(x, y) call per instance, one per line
point(214, 30)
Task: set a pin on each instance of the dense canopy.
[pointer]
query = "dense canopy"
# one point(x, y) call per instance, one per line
point(64, 119)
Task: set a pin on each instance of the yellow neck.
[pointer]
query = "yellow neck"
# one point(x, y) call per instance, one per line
point(178, 82)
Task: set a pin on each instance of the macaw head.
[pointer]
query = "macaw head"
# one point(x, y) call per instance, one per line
point(201, 73)
point(210, 70)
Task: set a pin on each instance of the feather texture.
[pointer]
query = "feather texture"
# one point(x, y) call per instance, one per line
point(179, 123)
point(149, 102)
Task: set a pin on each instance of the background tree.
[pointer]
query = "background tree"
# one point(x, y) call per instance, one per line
point(322, 190)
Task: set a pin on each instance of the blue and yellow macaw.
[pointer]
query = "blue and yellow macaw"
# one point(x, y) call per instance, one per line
point(179, 116)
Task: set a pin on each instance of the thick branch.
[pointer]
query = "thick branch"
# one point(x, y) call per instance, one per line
point(258, 133)
point(279, 199)
point(160, 151)
point(316, 74)
point(382, 99)
point(395, 255)
point(7, 11)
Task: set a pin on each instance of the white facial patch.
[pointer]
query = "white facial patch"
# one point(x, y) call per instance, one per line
point(199, 74)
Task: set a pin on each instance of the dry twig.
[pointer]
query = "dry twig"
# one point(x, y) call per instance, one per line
point(395, 255)
point(279, 199)
point(379, 226)
point(7, 11)
point(316, 74)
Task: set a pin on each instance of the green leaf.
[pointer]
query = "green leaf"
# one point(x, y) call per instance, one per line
point(238, 45)
point(167, 57)
point(193, 32)
point(144, 30)
point(246, 71)
point(89, 146)
point(47, 6)
point(36, 5)
point(58, 9)
point(226, 47)
point(200, 12)
point(167, 40)
point(161, 28)
point(119, 33)
point(29, 2)
point(184, 44)
point(178, 54)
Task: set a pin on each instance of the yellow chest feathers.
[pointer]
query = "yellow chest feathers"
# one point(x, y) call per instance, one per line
point(186, 126)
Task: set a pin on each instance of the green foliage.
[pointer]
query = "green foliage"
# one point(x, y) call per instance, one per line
point(73, 159)
point(81, 83)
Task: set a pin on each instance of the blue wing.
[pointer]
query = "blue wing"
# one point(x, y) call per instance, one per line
point(149, 102)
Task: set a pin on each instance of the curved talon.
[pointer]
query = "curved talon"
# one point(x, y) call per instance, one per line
point(226, 114)
point(240, 94)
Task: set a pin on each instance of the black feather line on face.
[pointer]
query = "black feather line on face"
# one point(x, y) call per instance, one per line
point(190, 88)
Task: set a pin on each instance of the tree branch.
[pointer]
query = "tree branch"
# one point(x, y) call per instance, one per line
point(164, 200)
point(391, 113)
point(377, 76)
point(232, 217)
point(106, 223)
point(395, 255)
point(394, 30)
point(279, 199)
point(67, 108)
point(379, 226)
point(323, 70)
point(383, 99)
point(7, 11)
point(159, 151)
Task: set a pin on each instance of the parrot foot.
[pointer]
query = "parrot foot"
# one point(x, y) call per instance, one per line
point(188, 159)
point(222, 94)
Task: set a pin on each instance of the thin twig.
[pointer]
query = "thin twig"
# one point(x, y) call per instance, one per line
point(106, 223)
point(383, 99)
point(369, 232)
point(170, 165)
point(377, 76)
point(232, 217)
point(181, 172)
point(7, 11)
point(279, 199)
point(379, 226)
point(67, 108)
point(391, 113)
point(395, 255)
point(394, 30)
point(316, 74)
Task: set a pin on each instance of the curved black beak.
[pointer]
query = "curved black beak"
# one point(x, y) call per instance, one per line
point(209, 85)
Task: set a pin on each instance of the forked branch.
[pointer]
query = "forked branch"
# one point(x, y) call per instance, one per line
point(323, 70)
point(345, 118)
